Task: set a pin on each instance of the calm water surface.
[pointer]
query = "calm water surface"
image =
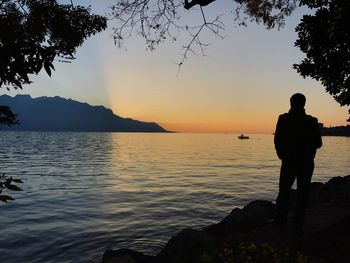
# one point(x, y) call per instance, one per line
point(85, 192)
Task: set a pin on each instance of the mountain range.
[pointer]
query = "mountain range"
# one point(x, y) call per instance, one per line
point(60, 114)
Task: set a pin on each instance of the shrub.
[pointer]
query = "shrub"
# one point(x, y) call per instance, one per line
point(7, 183)
point(249, 252)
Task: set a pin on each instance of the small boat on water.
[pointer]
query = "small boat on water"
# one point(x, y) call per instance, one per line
point(243, 137)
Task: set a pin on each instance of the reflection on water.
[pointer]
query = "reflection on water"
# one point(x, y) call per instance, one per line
point(85, 192)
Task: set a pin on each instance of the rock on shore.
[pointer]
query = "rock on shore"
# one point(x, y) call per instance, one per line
point(326, 237)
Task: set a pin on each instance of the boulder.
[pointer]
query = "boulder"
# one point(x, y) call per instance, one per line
point(336, 189)
point(339, 188)
point(190, 246)
point(318, 194)
point(253, 215)
point(125, 256)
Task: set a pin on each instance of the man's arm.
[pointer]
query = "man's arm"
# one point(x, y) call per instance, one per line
point(316, 140)
point(278, 138)
point(317, 134)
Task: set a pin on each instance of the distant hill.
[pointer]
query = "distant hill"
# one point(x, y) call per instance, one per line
point(59, 114)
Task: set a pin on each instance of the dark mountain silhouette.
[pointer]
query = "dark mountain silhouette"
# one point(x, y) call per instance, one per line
point(59, 114)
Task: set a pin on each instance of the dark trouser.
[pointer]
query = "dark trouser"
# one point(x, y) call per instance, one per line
point(291, 169)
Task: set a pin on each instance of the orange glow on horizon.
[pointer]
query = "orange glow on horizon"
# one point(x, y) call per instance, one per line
point(261, 126)
point(211, 127)
point(247, 123)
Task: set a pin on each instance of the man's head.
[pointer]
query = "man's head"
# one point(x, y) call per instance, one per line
point(297, 101)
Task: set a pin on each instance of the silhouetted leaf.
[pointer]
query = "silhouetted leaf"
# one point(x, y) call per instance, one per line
point(8, 181)
point(7, 117)
point(5, 198)
point(17, 181)
point(13, 187)
point(47, 68)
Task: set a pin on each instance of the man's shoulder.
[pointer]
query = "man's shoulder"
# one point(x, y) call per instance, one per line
point(312, 118)
point(283, 118)
point(286, 117)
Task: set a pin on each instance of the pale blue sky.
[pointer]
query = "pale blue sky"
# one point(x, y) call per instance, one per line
point(241, 85)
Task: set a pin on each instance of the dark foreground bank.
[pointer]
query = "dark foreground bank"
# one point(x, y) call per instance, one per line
point(248, 235)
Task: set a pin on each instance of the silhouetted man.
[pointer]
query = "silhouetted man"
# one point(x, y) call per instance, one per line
point(297, 138)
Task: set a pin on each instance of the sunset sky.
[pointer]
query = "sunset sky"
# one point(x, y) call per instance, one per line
point(242, 84)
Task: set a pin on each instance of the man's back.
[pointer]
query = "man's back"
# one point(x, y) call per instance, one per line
point(297, 136)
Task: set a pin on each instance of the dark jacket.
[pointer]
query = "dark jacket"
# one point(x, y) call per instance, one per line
point(297, 136)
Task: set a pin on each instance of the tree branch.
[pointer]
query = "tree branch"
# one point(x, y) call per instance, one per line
point(214, 26)
point(189, 5)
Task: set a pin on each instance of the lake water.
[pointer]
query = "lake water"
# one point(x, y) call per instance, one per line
point(85, 192)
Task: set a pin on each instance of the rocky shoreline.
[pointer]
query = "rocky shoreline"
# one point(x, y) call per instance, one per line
point(248, 234)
